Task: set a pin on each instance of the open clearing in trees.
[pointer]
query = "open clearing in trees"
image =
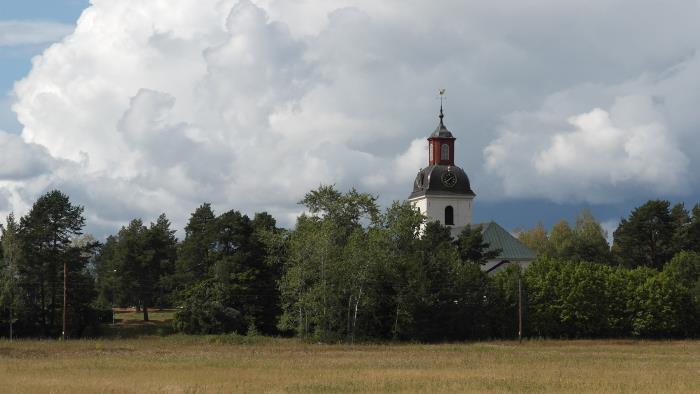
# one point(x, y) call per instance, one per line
point(255, 364)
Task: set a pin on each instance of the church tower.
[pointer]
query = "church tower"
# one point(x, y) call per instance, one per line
point(441, 190)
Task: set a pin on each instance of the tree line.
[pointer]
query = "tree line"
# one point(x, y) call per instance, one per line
point(350, 271)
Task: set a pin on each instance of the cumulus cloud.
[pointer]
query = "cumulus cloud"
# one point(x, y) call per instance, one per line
point(600, 155)
point(600, 149)
point(14, 33)
point(602, 144)
point(220, 104)
point(149, 106)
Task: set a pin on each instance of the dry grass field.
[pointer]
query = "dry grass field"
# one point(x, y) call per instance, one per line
point(180, 364)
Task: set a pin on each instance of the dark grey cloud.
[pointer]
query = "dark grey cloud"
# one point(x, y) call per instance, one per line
point(20, 160)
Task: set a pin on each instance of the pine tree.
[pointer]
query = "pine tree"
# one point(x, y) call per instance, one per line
point(646, 237)
point(46, 234)
point(194, 259)
point(10, 296)
point(472, 247)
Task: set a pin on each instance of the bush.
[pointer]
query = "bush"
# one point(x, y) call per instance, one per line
point(658, 307)
point(580, 299)
point(205, 310)
point(684, 269)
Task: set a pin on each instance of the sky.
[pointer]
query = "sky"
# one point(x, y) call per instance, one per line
point(134, 108)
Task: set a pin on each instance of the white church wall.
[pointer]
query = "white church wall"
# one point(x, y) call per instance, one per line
point(434, 208)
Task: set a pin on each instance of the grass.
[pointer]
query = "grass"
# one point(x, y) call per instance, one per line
point(187, 364)
point(130, 324)
point(164, 315)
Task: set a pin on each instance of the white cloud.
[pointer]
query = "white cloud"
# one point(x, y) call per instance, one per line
point(15, 33)
point(165, 114)
point(601, 155)
point(571, 149)
point(601, 151)
point(149, 106)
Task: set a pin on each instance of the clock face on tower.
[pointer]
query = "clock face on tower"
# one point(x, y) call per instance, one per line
point(449, 179)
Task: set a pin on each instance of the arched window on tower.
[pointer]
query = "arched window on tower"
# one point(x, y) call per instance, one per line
point(445, 152)
point(449, 216)
point(430, 153)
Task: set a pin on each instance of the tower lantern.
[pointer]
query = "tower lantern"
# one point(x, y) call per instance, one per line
point(441, 145)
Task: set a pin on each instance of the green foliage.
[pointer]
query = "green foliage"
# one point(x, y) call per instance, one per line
point(11, 303)
point(106, 279)
point(536, 239)
point(577, 299)
point(561, 240)
point(162, 248)
point(586, 241)
point(44, 245)
point(589, 240)
point(472, 248)
point(344, 210)
point(323, 287)
point(503, 310)
point(348, 278)
point(350, 272)
point(646, 237)
point(687, 235)
point(194, 253)
point(659, 307)
point(136, 267)
point(684, 268)
point(134, 280)
point(230, 252)
point(383, 280)
point(206, 310)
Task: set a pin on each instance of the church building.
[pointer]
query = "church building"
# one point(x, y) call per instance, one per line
point(442, 192)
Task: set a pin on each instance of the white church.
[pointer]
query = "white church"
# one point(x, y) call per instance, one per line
point(442, 192)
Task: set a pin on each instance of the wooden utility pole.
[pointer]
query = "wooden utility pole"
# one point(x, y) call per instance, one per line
point(520, 306)
point(12, 301)
point(65, 297)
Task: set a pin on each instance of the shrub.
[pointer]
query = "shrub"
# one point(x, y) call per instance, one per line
point(206, 310)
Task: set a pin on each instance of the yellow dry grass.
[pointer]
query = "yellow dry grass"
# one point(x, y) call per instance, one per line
point(154, 315)
point(180, 364)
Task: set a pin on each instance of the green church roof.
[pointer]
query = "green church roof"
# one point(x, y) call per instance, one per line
point(499, 238)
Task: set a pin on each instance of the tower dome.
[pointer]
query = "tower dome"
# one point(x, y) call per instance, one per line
point(441, 176)
point(438, 179)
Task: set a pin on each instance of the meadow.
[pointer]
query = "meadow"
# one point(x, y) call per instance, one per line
point(231, 363)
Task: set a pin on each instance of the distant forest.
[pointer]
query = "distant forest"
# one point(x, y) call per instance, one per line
point(349, 271)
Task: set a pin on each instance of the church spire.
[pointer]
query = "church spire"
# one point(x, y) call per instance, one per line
point(442, 96)
point(441, 143)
